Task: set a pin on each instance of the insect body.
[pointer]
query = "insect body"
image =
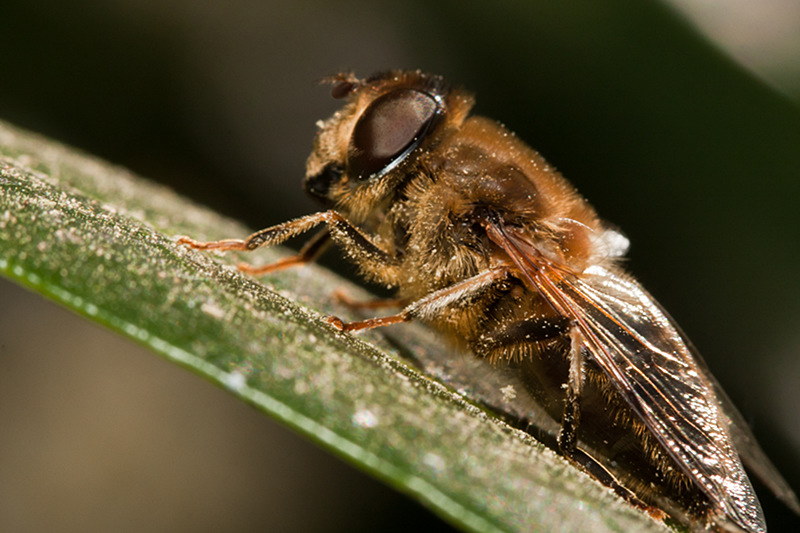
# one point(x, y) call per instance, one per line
point(487, 243)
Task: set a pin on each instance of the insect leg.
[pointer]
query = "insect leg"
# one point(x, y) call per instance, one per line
point(308, 253)
point(364, 251)
point(567, 437)
point(570, 420)
point(433, 304)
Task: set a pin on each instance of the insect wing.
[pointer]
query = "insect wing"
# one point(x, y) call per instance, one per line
point(636, 344)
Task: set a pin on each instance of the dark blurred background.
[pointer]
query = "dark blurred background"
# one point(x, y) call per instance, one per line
point(678, 121)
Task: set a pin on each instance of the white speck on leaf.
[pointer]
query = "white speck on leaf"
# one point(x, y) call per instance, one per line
point(235, 380)
point(213, 309)
point(365, 418)
point(434, 462)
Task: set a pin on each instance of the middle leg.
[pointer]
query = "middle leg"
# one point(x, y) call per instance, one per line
point(433, 304)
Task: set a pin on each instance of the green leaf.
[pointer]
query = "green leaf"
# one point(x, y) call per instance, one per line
point(100, 241)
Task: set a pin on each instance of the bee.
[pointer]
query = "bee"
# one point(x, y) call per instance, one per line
point(487, 243)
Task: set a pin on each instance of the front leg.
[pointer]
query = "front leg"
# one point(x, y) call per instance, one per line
point(310, 251)
point(360, 248)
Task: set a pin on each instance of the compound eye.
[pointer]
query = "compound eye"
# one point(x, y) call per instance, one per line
point(390, 129)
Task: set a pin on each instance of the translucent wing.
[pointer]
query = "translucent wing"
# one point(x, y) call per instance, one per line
point(635, 343)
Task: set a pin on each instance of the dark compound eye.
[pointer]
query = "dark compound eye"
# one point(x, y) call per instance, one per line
point(391, 127)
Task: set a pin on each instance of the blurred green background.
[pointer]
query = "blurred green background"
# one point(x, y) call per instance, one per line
point(679, 122)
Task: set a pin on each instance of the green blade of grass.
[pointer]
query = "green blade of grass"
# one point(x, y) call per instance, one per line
point(101, 242)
